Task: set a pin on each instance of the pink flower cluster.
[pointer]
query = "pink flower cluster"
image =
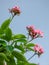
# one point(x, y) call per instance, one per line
point(38, 49)
point(34, 33)
point(15, 10)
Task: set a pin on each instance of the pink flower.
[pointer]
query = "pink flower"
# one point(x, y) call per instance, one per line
point(41, 51)
point(15, 10)
point(38, 49)
point(39, 33)
point(33, 32)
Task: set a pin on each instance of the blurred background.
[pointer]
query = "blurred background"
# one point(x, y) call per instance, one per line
point(33, 12)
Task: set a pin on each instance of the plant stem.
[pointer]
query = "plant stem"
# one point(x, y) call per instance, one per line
point(30, 40)
point(28, 37)
point(32, 56)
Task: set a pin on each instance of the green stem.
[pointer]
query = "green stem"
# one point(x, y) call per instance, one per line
point(32, 56)
point(30, 40)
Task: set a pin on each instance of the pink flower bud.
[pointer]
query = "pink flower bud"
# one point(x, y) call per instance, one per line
point(15, 10)
point(30, 28)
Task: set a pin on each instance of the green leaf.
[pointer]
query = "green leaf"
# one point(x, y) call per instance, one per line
point(20, 48)
point(21, 62)
point(30, 45)
point(9, 48)
point(11, 61)
point(2, 55)
point(7, 34)
point(19, 56)
point(32, 64)
point(3, 43)
point(1, 31)
point(1, 62)
point(18, 36)
point(21, 40)
point(24, 63)
point(30, 49)
point(2, 46)
point(5, 24)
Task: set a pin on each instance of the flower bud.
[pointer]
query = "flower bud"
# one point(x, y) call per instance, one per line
point(15, 10)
